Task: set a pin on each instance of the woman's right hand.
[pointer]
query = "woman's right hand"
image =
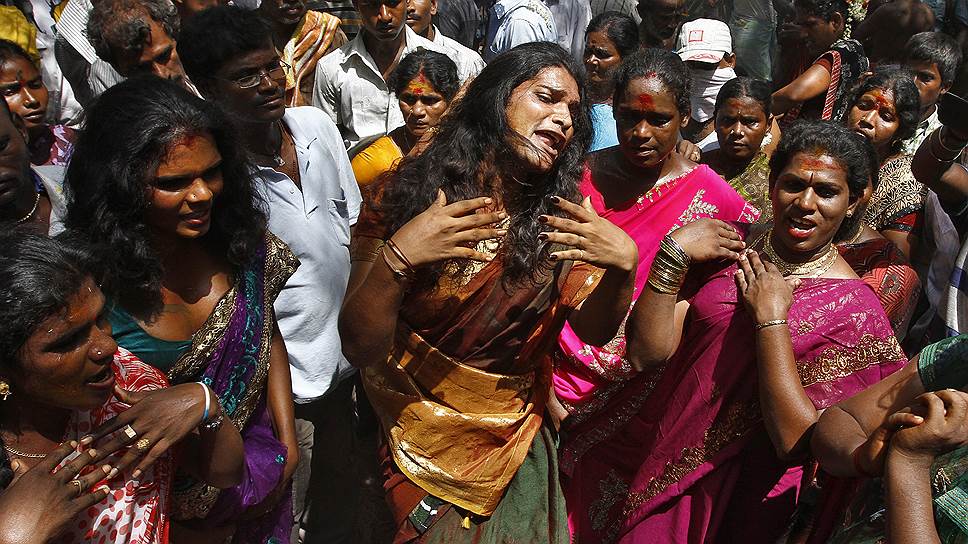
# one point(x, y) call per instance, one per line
point(448, 231)
point(38, 505)
point(709, 240)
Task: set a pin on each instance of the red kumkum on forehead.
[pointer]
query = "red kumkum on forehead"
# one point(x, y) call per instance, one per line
point(816, 164)
point(420, 85)
point(646, 100)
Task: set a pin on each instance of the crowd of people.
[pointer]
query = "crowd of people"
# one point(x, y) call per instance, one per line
point(483, 271)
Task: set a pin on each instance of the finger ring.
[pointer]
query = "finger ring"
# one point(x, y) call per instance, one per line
point(581, 257)
point(77, 486)
point(142, 444)
point(129, 431)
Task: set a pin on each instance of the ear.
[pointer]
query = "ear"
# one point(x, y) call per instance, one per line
point(945, 87)
point(433, 8)
point(855, 204)
point(729, 61)
point(684, 122)
point(838, 22)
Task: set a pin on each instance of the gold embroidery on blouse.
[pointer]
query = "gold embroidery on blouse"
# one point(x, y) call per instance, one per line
point(836, 362)
point(697, 209)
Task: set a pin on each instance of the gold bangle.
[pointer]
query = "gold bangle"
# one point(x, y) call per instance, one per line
point(775, 322)
point(400, 256)
point(399, 274)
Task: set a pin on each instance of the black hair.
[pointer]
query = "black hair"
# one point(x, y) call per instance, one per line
point(465, 158)
point(665, 65)
point(848, 148)
point(825, 9)
point(216, 35)
point(619, 28)
point(11, 50)
point(128, 131)
point(436, 67)
point(116, 26)
point(907, 102)
point(38, 277)
point(757, 90)
point(937, 48)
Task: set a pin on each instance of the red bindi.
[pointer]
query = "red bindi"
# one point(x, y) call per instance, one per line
point(646, 100)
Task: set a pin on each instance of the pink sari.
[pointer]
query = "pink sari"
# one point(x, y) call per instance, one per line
point(586, 376)
point(683, 455)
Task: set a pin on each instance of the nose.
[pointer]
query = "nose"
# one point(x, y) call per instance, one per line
point(418, 109)
point(103, 346)
point(31, 100)
point(736, 130)
point(562, 117)
point(267, 85)
point(200, 191)
point(385, 13)
point(868, 118)
point(807, 201)
point(642, 131)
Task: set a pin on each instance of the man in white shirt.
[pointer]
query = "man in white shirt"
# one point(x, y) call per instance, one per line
point(571, 21)
point(351, 82)
point(314, 200)
point(513, 22)
point(420, 14)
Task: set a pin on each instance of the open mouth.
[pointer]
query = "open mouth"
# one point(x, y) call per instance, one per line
point(799, 228)
point(197, 218)
point(102, 378)
point(550, 141)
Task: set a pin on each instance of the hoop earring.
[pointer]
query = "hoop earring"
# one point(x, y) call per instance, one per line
point(4, 390)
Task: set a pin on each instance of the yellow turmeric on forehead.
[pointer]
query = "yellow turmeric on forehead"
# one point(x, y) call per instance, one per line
point(420, 85)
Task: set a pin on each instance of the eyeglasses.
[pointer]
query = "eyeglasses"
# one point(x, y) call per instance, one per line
point(253, 80)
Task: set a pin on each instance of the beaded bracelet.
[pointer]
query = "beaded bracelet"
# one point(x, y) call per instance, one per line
point(773, 323)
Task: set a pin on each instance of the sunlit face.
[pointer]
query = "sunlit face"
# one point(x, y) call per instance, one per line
point(420, 15)
point(810, 200)
point(601, 58)
point(185, 187)
point(741, 125)
point(286, 12)
point(648, 122)
point(928, 79)
point(542, 112)
point(14, 163)
point(66, 360)
point(383, 20)
point(874, 117)
point(421, 105)
point(24, 91)
point(819, 34)
point(158, 56)
point(264, 103)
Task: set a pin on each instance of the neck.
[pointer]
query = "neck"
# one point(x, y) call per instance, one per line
point(22, 203)
point(798, 257)
point(928, 112)
point(29, 420)
point(733, 166)
point(428, 33)
point(262, 138)
point(383, 52)
point(600, 94)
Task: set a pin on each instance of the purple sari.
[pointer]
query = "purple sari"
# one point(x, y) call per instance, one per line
point(230, 353)
point(684, 456)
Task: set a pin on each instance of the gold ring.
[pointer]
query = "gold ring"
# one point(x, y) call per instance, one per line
point(77, 485)
point(142, 444)
point(129, 431)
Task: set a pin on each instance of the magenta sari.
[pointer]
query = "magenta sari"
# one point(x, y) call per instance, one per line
point(683, 455)
point(586, 376)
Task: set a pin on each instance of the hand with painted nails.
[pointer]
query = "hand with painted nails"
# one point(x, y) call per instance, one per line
point(39, 503)
point(156, 421)
point(448, 231)
point(590, 238)
point(709, 240)
point(766, 294)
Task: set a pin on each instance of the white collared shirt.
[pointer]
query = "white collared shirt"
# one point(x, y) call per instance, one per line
point(352, 91)
point(514, 22)
point(468, 62)
point(315, 223)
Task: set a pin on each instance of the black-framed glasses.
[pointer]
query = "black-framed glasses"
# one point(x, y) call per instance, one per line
point(253, 80)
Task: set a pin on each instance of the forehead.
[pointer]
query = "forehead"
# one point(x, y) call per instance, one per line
point(816, 167)
point(923, 66)
point(883, 97)
point(188, 154)
point(257, 58)
point(82, 306)
point(17, 67)
point(158, 40)
point(554, 78)
point(648, 92)
point(742, 105)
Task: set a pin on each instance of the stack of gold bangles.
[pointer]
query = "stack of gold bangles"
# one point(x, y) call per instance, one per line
point(669, 267)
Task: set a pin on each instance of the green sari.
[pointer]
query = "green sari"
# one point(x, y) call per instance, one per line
point(941, 366)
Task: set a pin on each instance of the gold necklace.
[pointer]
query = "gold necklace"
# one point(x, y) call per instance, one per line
point(812, 269)
point(32, 210)
point(24, 454)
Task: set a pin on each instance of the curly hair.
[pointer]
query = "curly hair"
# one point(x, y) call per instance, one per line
point(128, 131)
point(665, 65)
point(438, 68)
point(119, 27)
point(474, 138)
point(899, 82)
point(38, 277)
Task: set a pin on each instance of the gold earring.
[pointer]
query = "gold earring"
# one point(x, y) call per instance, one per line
point(850, 214)
point(4, 390)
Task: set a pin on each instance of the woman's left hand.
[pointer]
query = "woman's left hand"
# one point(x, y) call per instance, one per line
point(688, 149)
point(593, 239)
point(161, 418)
point(766, 294)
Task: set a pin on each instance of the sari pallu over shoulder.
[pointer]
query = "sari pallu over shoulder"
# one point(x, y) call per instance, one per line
point(675, 455)
point(230, 353)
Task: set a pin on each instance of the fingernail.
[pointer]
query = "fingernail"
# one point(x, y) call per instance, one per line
point(488, 200)
point(502, 215)
point(136, 474)
point(542, 236)
point(554, 257)
point(501, 232)
point(113, 473)
point(106, 469)
point(92, 452)
point(87, 440)
point(742, 243)
point(554, 199)
point(918, 418)
point(72, 444)
point(542, 219)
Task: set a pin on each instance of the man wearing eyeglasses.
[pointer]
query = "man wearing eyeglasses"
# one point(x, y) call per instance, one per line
point(305, 176)
point(351, 83)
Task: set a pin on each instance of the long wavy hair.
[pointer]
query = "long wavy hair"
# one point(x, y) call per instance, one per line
point(127, 133)
point(471, 153)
